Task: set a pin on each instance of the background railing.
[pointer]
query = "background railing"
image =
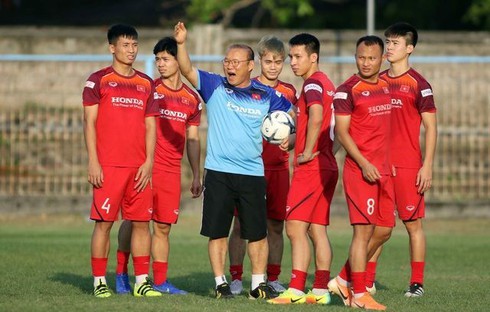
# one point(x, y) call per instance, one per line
point(42, 150)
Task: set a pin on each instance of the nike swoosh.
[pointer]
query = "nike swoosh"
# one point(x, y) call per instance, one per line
point(360, 306)
point(295, 300)
point(318, 299)
point(342, 294)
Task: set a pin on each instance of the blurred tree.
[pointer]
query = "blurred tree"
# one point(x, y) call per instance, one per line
point(479, 14)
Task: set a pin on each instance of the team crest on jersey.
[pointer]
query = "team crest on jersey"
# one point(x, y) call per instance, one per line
point(113, 84)
point(404, 88)
point(386, 90)
point(365, 93)
point(256, 96)
point(184, 100)
point(279, 94)
point(140, 88)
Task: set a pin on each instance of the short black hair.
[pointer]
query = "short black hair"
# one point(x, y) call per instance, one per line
point(370, 41)
point(121, 30)
point(403, 29)
point(166, 44)
point(250, 51)
point(311, 43)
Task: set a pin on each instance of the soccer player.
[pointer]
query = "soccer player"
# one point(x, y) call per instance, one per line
point(276, 163)
point(413, 104)
point(314, 178)
point(180, 115)
point(119, 128)
point(234, 176)
point(363, 123)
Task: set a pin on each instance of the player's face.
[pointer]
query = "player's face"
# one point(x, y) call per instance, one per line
point(271, 65)
point(397, 49)
point(167, 64)
point(301, 61)
point(125, 50)
point(237, 67)
point(368, 61)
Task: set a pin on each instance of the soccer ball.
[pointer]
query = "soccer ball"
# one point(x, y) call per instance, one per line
point(276, 126)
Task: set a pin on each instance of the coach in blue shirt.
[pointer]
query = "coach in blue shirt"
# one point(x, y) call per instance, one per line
point(234, 168)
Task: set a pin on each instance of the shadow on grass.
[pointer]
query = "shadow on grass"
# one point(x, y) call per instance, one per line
point(197, 283)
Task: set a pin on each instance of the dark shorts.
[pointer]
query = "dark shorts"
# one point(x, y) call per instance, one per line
point(225, 191)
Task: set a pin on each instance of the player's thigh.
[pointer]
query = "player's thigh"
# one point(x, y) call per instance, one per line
point(166, 196)
point(252, 212)
point(277, 193)
point(137, 206)
point(410, 204)
point(218, 204)
point(361, 197)
point(106, 202)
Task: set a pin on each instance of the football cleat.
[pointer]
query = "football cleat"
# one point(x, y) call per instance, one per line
point(263, 291)
point(168, 288)
point(277, 286)
point(366, 302)
point(236, 287)
point(122, 284)
point(342, 291)
point(102, 291)
point(288, 297)
point(146, 290)
point(318, 299)
point(223, 291)
point(372, 290)
point(415, 290)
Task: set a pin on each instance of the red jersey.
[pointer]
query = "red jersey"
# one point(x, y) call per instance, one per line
point(411, 95)
point(317, 89)
point(275, 158)
point(369, 105)
point(178, 110)
point(124, 102)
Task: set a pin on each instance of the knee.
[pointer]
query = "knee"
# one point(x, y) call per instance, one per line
point(161, 229)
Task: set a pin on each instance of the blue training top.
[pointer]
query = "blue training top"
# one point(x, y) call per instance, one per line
point(234, 142)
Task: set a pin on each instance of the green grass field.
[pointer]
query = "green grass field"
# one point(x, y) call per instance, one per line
point(45, 266)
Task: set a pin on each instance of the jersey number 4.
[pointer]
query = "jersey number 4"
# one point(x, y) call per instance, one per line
point(106, 206)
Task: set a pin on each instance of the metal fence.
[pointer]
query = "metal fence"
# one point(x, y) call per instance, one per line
point(42, 150)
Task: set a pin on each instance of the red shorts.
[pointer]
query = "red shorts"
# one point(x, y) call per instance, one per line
point(310, 196)
point(409, 204)
point(118, 193)
point(369, 203)
point(166, 196)
point(277, 193)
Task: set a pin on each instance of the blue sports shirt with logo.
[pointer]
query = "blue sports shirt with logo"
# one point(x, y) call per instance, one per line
point(234, 142)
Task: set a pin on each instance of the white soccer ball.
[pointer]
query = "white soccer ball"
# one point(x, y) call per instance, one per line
point(276, 126)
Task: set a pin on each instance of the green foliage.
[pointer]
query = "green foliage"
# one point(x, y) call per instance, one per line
point(205, 11)
point(479, 14)
point(45, 265)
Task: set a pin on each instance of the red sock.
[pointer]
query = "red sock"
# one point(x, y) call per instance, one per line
point(99, 266)
point(322, 277)
point(298, 280)
point(141, 265)
point(345, 273)
point(358, 282)
point(273, 271)
point(236, 272)
point(417, 272)
point(370, 273)
point(159, 272)
point(122, 262)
